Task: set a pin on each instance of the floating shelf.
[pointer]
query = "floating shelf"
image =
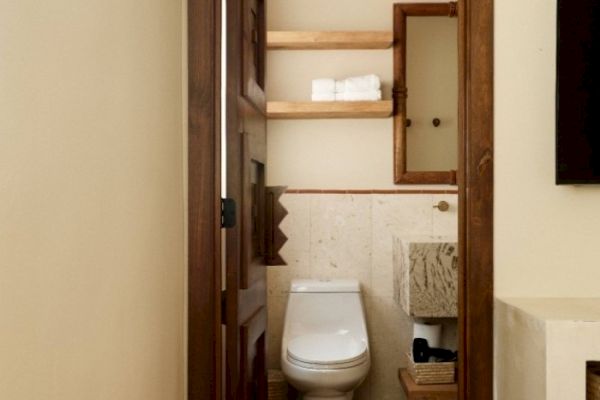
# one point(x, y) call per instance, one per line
point(329, 109)
point(329, 40)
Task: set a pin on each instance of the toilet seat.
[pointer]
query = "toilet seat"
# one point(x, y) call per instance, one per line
point(326, 351)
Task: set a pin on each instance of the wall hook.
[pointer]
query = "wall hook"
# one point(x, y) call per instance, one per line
point(442, 206)
point(436, 122)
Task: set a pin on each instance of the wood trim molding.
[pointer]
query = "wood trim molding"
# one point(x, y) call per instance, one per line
point(476, 185)
point(370, 191)
point(204, 200)
point(429, 9)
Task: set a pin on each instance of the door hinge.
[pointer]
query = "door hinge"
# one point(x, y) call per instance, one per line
point(228, 212)
point(223, 307)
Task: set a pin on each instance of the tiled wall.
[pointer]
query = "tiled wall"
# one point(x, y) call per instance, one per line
point(350, 236)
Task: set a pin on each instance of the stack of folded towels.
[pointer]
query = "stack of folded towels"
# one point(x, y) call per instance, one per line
point(357, 88)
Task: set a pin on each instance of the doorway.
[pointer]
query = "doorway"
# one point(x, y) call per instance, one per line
point(475, 177)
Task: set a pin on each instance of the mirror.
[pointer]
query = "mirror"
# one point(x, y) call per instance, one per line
point(425, 93)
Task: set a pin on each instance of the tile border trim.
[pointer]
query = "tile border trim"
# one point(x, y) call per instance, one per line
point(370, 191)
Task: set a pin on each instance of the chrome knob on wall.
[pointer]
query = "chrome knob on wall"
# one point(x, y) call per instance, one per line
point(442, 206)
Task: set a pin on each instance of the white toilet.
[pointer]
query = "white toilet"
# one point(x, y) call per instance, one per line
point(325, 346)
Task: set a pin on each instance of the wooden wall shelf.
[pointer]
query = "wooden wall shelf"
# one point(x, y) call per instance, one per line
point(329, 109)
point(329, 40)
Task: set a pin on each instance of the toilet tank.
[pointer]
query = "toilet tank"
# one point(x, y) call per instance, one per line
point(325, 307)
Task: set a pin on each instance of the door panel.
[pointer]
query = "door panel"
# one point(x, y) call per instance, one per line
point(254, 38)
point(253, 242)
point(245, 243)
point(253, 220)
point(253, 360)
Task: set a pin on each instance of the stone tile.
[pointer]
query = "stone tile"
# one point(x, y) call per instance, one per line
point(445, 223)
point(395, 215)
point(276, 306)
point(390, 330)
point(390, 333)
point(279, 277)
point(296, 225)
point(340, 237)
point(388, 354)
point(387, 322)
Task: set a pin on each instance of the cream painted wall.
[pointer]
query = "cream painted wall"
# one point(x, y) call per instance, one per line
point(546, 236)
point(329, 154)
point(332, 14)
point(92, 261)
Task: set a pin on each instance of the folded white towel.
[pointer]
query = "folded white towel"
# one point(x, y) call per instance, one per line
point(358, 84)
point(323, 97)
point(371, 95)
point(323, 86)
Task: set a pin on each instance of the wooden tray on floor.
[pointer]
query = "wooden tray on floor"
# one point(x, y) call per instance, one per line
point(429, 392)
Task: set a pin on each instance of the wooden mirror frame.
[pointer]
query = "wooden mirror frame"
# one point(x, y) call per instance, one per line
point(400, 92)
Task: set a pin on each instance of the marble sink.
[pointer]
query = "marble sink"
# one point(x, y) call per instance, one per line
point(426, 276)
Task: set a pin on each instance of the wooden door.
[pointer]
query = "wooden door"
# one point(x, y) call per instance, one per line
point(245, 246)
point(204, 201)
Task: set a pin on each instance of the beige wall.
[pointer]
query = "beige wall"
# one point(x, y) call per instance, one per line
point(546, 237)
point(331, 154)
point(91, 186)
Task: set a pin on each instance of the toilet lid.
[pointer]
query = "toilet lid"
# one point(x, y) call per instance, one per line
point(321, 349)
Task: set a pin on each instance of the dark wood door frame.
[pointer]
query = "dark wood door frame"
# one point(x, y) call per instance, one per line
point(475, 177)
point(204, 200)
point(476, 186)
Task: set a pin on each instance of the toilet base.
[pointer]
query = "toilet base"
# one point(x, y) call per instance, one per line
point(347, 396)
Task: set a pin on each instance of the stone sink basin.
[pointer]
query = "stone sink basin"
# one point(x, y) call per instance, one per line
point(426, 276)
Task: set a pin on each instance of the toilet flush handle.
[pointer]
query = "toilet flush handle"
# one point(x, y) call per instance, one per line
point(442, 206)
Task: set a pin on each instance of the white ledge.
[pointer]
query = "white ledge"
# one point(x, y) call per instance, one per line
point(543, 345)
